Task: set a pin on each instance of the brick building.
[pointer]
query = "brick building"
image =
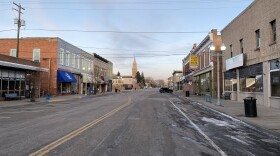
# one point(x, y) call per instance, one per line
point(252, 57)
point(71, 68)
point(19, 76)
point(203, 80)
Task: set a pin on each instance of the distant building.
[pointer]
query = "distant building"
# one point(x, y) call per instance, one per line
point(134, 68)
point(176, 79)
point(251, 61)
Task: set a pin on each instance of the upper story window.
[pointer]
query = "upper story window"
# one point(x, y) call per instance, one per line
point(241, 45)
point(231, 50)
point(36, 55)
point(13, 52)
point(273, 30)
point(78, 62)
point(67, 58)
point(61, 56)
point(258, 38)
point(73, 60)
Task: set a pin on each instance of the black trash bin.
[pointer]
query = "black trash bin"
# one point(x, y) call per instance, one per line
point(250, 107)
point(187, 93)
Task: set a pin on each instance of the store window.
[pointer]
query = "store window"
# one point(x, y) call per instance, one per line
point(230, 78)
point(251, 78)
point(275, 77)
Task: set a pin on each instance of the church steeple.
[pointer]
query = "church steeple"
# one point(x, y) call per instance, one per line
point(134, 68)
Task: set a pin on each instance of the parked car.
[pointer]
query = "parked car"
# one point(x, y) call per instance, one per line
point(165, 90)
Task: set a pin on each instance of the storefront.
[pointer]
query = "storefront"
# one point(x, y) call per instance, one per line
point(203, 83)
point(13, 81)
point(19, 76)
point(230, 83)
point(66, 83)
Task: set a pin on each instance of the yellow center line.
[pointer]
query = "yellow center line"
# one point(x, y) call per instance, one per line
point(75, 133)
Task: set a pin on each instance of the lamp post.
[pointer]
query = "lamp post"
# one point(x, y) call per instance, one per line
point(223, 48)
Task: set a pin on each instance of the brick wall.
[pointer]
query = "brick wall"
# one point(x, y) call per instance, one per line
point(257, 16)
point(48, 51)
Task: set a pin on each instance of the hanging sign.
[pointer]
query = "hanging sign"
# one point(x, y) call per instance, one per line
point(193, 62)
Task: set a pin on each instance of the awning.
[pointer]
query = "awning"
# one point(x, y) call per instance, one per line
point(63, 76)
point(22, 66)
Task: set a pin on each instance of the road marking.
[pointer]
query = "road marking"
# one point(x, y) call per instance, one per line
point(24, 111)
point(4, 117)
point(77, 132)
point(200, 131)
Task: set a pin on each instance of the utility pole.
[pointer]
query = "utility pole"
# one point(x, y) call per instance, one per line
point(19, 23)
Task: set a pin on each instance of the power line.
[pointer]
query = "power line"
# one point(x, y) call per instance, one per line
point(135, 9)
point(121, 32)
point(160, 51)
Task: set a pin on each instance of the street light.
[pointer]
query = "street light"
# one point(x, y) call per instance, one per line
point(223, 48)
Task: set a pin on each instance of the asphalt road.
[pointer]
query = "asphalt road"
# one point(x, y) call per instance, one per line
point(143, 122)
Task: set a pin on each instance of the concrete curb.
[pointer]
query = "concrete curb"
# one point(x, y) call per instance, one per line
point(268, 131)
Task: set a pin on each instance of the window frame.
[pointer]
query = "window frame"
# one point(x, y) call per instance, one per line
point(34, 52)
point(273, 31)
point(67, 58)
point(231, 50)
point(13, 52)
point(61, 56)
point(258, 38)
point(241, 45)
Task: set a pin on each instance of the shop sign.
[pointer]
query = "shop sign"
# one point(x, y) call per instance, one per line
point(193, 62)
point(234, 62)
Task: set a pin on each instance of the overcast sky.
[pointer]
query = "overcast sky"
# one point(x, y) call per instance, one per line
point(145, 23)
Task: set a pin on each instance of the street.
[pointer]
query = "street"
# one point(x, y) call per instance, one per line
point(142, 122)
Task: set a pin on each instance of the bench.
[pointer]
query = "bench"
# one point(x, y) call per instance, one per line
point(11, 96)
point(208, 98)
point(227, 95)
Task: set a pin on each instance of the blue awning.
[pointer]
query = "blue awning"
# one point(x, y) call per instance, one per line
point(63, 76)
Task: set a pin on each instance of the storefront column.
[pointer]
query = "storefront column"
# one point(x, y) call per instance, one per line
point(266, 84)
point(238, 85)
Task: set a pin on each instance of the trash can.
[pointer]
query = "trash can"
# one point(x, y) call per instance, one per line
point(116, 90)
point(187, 93)
point(250, 107)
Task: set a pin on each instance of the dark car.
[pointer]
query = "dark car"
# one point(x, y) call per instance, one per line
point(165, 90)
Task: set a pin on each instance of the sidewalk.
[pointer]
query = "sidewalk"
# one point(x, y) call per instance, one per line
point(41, 100)
point(268, 118)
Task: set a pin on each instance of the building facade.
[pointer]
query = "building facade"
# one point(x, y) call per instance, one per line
point(19, 76)
point(202, 79)
point(71, 68)
point(177, 80)
point(251, 67)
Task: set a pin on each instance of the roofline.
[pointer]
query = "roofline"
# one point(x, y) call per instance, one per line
point(250, 6)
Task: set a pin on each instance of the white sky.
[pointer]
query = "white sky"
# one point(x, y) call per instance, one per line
point(157, 54)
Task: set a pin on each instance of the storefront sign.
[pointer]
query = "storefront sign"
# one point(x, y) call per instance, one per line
point(236, 61)
point(193, 62)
